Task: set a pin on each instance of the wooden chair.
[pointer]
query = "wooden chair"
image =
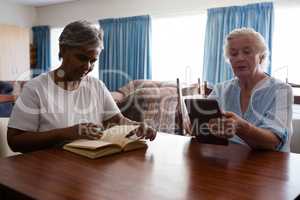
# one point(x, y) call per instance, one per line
point(296, 98)
point(180, 108)
point(182, 117)
point(295, 139)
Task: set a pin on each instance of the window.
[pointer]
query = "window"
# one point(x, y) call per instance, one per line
point(285, 58)
point(55, 62)
point(177, 50)
point(54, 35)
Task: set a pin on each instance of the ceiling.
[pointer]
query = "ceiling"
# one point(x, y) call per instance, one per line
point(40, 2)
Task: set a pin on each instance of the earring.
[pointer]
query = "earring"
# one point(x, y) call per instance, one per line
point(60, 73)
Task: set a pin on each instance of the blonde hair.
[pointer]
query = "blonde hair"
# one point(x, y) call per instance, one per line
point(260, 43)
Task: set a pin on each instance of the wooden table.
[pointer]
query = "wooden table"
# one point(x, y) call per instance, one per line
point(173, 167)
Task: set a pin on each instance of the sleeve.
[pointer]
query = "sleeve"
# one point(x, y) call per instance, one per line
point(26, 111)
point(278, 117)
point(110, 107)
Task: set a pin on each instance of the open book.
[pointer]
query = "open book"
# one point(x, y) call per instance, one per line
point(112, 141)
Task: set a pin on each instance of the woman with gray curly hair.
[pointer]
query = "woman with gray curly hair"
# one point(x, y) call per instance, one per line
point(257, 108)
point(66, 104)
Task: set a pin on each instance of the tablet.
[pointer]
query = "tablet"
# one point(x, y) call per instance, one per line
point(200, 112)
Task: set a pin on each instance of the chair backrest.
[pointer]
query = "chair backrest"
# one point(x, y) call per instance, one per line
point(296, 96)
point(183, 118)
point(180, 108)
point(295, 140)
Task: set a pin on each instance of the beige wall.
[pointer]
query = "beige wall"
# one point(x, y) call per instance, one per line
point(14, 57)
point(16, 14)
point(15, 35)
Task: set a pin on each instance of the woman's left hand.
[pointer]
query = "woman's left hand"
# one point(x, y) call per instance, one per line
point(144, 131)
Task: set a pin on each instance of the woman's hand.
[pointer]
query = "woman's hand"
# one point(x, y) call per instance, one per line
point(144, 131)
point(227, 126)
point(85, 131)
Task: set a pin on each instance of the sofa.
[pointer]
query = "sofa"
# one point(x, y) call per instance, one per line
point(153, 102)
point(9, 90)
point(5, 102)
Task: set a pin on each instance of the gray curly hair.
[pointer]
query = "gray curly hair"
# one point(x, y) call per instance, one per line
point(81, 33)
point(260, 43)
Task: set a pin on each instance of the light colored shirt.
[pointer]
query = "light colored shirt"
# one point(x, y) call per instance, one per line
point(44, 106)
point(270, 107)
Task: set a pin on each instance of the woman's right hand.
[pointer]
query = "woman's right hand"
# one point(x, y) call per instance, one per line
point(85, 131)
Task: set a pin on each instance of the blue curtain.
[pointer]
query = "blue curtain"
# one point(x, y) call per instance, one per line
point(220, 22)
point(126, 54)
point(41, 40)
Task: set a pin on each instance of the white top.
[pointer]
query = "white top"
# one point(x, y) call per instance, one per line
point(43, 105)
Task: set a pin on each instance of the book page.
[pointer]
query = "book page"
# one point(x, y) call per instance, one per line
point(88, 144)
point(94, 153)
point(117, 134)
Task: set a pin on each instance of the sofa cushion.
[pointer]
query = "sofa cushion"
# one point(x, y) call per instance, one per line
point(6, 109)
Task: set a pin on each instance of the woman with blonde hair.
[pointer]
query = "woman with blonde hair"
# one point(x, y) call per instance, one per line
point(257, 108)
